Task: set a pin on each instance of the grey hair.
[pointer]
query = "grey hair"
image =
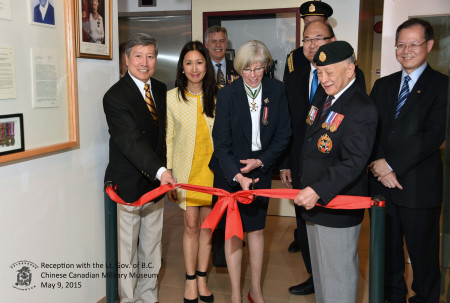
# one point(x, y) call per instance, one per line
point(251, 52)
point(215, 29)
point(140, 39)
point(351, 59)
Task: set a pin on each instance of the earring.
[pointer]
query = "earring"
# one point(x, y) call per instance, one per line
point(182, 71)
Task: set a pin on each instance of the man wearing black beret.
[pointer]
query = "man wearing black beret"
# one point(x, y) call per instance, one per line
point(338, 142)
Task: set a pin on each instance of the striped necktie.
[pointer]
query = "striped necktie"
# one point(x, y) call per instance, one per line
point(404, 93)
point(314, 84)
point(220, 76)
point(150, 103)
point(326, 106)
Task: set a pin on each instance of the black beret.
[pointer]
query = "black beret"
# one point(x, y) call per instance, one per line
point(315, 8)
point(333, 52)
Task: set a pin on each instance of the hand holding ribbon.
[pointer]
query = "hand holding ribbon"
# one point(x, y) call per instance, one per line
point(228, 201)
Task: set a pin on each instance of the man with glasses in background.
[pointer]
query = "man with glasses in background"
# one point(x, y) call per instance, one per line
point(407, 165)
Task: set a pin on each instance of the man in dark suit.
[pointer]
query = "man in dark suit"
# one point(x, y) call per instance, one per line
point(135, 109)
point(44, 13)
point(216, 41)
point(300, 90)
point(337, 145)
point(407, 166)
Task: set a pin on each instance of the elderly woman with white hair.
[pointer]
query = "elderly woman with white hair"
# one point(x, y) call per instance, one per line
point(96, 28)
point(252, 129)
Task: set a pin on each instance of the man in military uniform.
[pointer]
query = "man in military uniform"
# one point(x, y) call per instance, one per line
point(340, 132)
point(310, 11)
point(216, 41)
point(301, 86)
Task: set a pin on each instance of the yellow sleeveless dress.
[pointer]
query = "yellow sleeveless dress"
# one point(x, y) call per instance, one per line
point(200, 173)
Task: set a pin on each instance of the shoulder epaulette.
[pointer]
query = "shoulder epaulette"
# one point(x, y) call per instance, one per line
point(291, 62)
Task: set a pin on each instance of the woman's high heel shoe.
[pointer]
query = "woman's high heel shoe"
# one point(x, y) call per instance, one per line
point(207, 299)
point(250, 297)
point(190, 277)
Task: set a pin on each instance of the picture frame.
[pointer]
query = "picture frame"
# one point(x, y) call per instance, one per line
point(93, 29)
point(36, 16)
point(11, 134)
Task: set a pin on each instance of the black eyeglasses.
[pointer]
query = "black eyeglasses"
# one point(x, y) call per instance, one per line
point(315, 40)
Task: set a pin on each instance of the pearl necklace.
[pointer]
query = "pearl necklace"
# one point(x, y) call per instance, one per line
point(197, 94)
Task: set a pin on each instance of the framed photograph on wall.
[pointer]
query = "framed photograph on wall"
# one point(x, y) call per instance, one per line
point(93, 29)
point(11, 134)
point(42, 12)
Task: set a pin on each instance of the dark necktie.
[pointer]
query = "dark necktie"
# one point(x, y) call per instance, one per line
point(314, 84)
point(220, 77)
point(150, 103)
point(326, 106)
point(404, 93)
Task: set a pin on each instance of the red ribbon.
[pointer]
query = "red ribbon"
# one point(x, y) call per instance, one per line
point(228, 201)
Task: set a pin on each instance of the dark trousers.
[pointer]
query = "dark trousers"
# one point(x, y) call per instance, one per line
point(420, 228)
point(302, 239)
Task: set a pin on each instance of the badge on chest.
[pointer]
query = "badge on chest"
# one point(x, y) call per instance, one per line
point(325, 144)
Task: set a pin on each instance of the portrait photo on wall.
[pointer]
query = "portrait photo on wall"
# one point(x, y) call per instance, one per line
point(42, 12)
point(94, 29)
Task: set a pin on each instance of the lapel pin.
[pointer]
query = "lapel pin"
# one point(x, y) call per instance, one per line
point(266, 100)
point(418, 91)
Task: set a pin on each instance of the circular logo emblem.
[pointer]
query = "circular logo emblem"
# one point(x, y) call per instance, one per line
point(312, 8)
point(23, 272)
point(322, 57)
point(325, 144)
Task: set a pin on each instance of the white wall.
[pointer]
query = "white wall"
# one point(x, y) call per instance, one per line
point(395, 13)
point(127, 6)
point(52, 207)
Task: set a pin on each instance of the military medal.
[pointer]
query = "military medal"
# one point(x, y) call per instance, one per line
point(325, 144)
point(265, 121)
point(337, 121)
point(253, 95)
point(8, 137)
point(231, 78)
point(2, 134)
point(329, 121)
point(312, 115)
point(13, 141)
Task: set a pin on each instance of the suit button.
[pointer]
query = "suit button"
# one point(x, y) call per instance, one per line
point(309, 139)
point(144, 132)
point(393, 132)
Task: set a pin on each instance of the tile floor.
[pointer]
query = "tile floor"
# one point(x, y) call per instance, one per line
point(281, 269)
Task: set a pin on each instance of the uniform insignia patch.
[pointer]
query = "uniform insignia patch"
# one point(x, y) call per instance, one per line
point(322, 57)
point(325, 144)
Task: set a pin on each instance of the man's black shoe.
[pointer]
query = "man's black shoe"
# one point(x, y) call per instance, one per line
point(302, 289)
point(294, 247)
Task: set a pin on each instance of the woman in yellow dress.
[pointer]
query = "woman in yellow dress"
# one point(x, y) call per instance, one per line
point(190, 118)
